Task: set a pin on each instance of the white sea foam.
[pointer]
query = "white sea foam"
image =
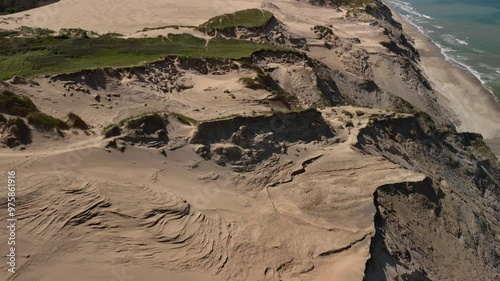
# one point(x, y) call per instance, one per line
point(409, 9)
point(415, 18)
point(494, 71)
point(454, 40)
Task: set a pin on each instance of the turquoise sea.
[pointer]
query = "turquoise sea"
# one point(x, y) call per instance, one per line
point(468, 32)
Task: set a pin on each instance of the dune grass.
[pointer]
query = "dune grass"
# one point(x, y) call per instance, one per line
point(46, 122)
point(251, 18)
point(186, 120)
point(17, 105)
point(76, 121)
point(29, 57)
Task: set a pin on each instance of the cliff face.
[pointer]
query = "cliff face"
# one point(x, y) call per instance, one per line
point(445, 228)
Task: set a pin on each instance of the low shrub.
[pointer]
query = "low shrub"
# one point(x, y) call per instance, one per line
point(186, 120)
point(76, 121)
point(17, 105)
point(46, 122)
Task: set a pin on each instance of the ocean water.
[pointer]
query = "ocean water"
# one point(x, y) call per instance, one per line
point(467, 31)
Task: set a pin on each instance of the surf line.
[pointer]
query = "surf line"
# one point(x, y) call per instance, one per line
point(11, 221)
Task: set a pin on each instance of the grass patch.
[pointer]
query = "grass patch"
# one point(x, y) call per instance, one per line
point(252, 84)
point(17, 105)
point(76, 121)
point(76, 33)
point(35, 31)
point(186, 120)
point(251, 18)
point(9, 33)
point(46, 122)
point(130, 118)
point(29, 57)
point(167, 26)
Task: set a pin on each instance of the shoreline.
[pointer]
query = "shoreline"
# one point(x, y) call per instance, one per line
point(476, 106)
point(462, 65)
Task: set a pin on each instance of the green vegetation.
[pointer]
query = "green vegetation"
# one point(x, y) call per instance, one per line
point(18, 132)
point(76, 33)
point(253, 84)
point(28, 57)
point(35, 31)
point(18, 122)
point(135, 117)
point(168, 26)
point(17, 105)
point(9, 33)
point(185, 119)
point(15, 6)
point(46, 122)
point(251, 18)
point(76, 121)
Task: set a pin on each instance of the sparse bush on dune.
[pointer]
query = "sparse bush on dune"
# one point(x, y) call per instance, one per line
point(252, 83)
point(186, 120)
point(9, 33)
point(46, 122)
point(17, 105)
point(112, 130)
point(76, 121)
point(251, 18)
point(76, 33)
point(16, 132)
point(35, 31)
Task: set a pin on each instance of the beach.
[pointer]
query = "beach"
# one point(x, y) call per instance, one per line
point(475, 105)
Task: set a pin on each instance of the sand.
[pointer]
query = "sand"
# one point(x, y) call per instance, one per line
point(90, 213)
point(181, 218)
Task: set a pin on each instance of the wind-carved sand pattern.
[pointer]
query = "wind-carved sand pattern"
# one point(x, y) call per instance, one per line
point(192, 239)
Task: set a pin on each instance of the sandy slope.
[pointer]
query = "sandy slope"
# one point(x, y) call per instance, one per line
point(172, 219)
point(128, 17)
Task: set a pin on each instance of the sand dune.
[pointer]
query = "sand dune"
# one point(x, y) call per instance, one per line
point(231, 183)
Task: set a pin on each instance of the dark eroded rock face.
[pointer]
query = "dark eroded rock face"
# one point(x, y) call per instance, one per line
point(398, 44)
point(447, 227)
point(243, 141)
point(149, 131)
point(15, 132)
